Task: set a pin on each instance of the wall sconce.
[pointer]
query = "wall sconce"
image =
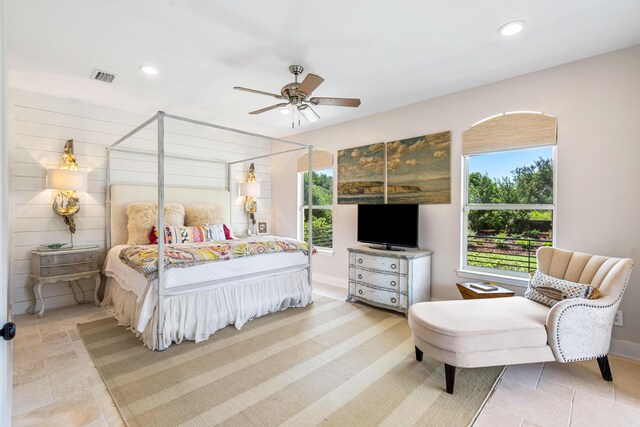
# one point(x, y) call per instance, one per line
point(250, 190)
point(68, 179)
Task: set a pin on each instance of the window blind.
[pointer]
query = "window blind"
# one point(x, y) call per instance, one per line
point(510, 131)
point(321, 160)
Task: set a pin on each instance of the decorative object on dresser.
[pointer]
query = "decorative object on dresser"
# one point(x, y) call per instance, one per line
point(250, 190)
point(475, 291)
point(68, 180)
point(389, 279)
point(62, 265)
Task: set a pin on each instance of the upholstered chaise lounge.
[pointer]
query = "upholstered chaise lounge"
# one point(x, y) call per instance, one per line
point(506, 331)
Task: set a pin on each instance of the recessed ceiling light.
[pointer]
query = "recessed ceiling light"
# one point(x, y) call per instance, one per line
point(511, 28)
point(148, 69)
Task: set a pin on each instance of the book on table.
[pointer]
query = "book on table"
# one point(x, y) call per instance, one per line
point(483, 287)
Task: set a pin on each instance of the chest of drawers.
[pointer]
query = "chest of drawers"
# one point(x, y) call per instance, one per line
point(389, 279)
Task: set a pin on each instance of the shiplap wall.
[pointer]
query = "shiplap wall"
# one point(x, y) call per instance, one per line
point(39, 125)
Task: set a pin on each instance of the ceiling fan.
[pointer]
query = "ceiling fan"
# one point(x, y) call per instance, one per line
point(298, 95)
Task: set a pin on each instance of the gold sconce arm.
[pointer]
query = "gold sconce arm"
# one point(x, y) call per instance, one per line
point(250, 190)
point(68, 180)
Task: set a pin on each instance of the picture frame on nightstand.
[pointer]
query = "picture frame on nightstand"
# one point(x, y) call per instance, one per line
point(263, 227)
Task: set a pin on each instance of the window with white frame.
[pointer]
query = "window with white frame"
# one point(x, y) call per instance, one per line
point(322, 212)
point(508, 193)
point(322, 200)
point(509, 209)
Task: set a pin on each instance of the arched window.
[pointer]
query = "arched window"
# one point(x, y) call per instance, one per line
point(322, 193)
point(508, 192)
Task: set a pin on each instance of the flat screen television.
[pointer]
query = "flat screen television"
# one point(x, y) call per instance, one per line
point(388, 225)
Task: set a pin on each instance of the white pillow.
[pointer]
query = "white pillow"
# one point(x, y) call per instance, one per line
point(216, 232)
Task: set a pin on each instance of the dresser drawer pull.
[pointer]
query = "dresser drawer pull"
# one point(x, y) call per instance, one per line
point(393, 283)
point(393, 266)
point(359, 260)
point(360, 291)
point(393, 300)
point(359, 276)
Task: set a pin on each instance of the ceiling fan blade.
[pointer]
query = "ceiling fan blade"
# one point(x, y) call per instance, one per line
point(308, 113)
point(310, 83)
point(260, 92)
point(336, 102)
point(262, 110)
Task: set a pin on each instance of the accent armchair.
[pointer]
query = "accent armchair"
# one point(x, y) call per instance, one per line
point(506, 331)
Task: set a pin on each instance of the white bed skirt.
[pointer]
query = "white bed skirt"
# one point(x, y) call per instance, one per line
point(197, 315)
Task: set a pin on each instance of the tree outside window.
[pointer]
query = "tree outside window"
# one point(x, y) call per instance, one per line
point(322, 203)
point(509, 209)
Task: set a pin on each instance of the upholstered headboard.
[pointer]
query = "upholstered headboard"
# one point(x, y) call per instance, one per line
point(124, 194)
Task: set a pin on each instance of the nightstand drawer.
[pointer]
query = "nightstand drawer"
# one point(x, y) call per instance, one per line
point(389, 281)
point(393, 299)
point(71, 258)
point(60, 270)
point(384, 264)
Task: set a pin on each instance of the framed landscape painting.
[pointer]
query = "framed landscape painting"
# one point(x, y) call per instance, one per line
point(361, 174)
point(419, 169)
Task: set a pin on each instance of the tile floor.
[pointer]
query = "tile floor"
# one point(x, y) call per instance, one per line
point(56, 384)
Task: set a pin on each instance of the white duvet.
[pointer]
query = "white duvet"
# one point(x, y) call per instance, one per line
point(132, 280)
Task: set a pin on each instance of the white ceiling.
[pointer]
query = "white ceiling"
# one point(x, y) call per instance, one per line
point(389, 54)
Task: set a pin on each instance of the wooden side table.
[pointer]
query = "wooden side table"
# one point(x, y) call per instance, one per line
point(468, 292)
point(62, 265)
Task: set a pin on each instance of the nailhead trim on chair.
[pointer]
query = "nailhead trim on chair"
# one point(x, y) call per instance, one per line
point(590, 306)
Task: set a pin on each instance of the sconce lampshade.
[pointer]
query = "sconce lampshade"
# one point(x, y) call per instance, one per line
point(250, 189)
point(62, 179)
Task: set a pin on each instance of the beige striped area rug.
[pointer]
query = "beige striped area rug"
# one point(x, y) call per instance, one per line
point(332, 363)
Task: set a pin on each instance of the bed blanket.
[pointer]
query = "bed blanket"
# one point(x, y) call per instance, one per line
point(144, 258)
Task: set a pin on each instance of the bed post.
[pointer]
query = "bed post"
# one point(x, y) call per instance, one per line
point(230, 195)
point(160, 310)
point(310, 211)
point(107, 203)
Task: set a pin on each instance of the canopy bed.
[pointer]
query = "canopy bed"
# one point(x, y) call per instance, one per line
point(180, 288)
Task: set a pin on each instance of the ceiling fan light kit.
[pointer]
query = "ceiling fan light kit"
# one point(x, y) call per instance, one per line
point(298, 95)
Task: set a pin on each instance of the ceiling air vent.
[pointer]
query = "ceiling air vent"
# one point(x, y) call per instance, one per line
point(103, 76)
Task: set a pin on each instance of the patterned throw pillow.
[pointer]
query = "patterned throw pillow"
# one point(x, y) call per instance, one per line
point(193, 234)
point(549, 290)
point(173, 234)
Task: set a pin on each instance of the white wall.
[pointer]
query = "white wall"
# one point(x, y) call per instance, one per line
point(597, 102)
point(39, 125)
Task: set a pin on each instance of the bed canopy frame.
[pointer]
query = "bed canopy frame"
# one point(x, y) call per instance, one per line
point(160, 118)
